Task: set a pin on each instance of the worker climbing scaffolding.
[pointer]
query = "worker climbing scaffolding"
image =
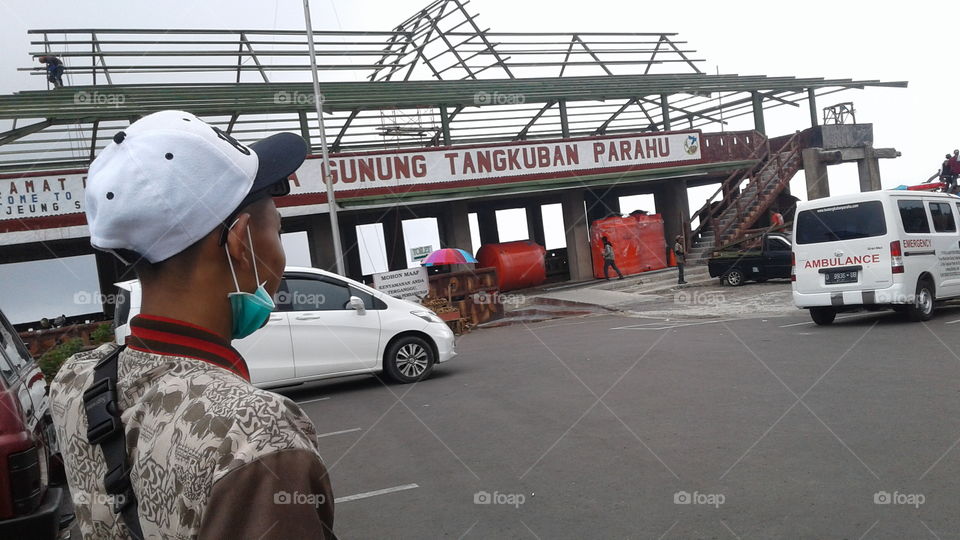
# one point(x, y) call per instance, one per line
point(54, 69)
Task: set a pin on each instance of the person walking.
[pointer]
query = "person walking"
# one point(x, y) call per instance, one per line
point(679, 252)
point(54, 69)
point(188, 447)
point(609, 260)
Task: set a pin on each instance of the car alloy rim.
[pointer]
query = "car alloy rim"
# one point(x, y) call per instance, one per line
point(925, 303)
point(412, 360)
point(733, 278)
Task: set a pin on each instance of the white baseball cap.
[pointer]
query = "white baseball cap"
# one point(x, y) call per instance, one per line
point(170, 179)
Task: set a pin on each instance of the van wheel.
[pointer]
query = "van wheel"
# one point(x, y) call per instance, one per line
point(823, 316)
point(921, 309)
point(409, 359)
point(734, 278)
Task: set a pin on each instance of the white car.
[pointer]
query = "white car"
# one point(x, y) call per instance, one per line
point(325, 326)
point(896, 249)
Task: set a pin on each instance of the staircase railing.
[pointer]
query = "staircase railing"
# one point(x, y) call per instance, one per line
point(777, 172)
point(708, 211)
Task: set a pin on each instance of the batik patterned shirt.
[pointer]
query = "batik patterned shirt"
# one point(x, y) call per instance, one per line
point(211, 455)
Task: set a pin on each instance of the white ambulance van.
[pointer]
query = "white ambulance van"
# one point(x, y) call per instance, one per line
point(892, 249)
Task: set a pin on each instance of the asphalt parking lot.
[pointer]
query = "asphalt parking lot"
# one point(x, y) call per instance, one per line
point(749, 424)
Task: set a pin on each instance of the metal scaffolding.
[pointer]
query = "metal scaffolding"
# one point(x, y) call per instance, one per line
point(438, 78)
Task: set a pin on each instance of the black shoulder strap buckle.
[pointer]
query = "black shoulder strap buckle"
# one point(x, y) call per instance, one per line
point(103, 414)
point(104, 429)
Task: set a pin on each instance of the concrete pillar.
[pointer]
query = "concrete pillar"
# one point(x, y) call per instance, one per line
point(564, 124)
point(351, 254)
point(812, 101)
point(445, 125)
point(535, 223)
point(815, 171)
point(393, 240)
point(670, 198)
point(575, 223)
point(869, 169)
point(758, 123)
point(321, 242)
point(455, 226)
point(487, 223)
point(601, 203)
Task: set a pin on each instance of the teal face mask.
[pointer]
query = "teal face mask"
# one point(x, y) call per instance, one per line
point(250, 310)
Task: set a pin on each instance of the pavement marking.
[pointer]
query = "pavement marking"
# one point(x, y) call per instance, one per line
point(369, 494)
point(312, 400)
point(332, 433)
point(669, 326)
point(952, 322)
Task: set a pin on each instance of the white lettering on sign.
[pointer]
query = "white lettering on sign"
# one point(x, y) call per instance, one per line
point(41, 196)
point(411, 283)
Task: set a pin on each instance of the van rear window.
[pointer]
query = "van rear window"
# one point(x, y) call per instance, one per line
point(841, 222)
point(913, 216)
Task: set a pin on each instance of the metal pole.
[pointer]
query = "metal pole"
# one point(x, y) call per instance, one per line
point(327, 179)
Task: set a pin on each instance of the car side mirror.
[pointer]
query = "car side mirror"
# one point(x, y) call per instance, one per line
point(357, 304)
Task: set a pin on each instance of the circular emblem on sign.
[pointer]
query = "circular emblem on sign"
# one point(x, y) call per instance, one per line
point(692, 144)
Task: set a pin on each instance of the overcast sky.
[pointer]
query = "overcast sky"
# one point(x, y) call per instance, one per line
point(857, 39)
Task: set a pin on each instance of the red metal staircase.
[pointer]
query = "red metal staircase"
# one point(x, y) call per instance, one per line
point(744, 197)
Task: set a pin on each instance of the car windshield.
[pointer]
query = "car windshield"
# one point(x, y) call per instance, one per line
point(841, 222)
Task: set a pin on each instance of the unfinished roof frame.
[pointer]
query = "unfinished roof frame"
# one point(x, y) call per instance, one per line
point(473, 86)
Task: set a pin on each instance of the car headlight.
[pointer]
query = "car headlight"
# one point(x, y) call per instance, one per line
point(428, 316)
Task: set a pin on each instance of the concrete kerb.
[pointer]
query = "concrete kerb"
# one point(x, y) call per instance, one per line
point(599, 296)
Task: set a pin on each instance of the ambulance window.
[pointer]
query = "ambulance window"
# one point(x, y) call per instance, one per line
point(942, 217)
point(841, 222)
point(913, 216)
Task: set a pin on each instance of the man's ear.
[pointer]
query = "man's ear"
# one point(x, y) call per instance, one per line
point(237, 245)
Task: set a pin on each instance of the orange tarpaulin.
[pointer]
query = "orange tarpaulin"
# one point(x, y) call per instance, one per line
point(638, 243)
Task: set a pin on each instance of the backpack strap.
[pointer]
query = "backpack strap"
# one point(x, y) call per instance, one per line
point(104, 429)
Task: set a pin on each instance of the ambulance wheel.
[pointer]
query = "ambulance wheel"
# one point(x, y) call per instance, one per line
point(823, 316)
point(921, 309)
point(734, 278)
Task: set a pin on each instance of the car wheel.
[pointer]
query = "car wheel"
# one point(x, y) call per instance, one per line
point(921, 309)
point(409, 359)
point(734, 278)
point(823, 316)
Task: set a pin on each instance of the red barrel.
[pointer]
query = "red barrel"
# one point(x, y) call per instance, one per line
point(519, 264)
point(638, 243)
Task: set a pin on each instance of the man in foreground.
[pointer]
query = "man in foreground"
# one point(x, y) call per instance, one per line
point(202, 452)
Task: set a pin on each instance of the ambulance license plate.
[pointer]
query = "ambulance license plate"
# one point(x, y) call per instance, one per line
point(846, 276)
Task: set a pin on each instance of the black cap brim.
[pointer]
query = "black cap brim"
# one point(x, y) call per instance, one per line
point(280, 156)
